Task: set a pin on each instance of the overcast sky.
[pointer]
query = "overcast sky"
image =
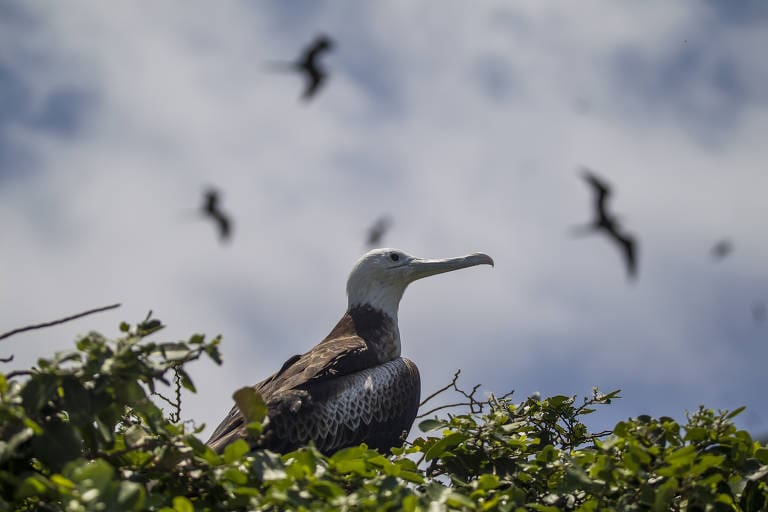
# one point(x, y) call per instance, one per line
point(467, 124)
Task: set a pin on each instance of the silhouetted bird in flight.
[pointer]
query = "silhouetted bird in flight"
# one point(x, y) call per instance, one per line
point(608, 224)
point(308, 63)
point(721, 249)
point(378, 230)
point(211, 208)
point(353, 386)
point(759, 312)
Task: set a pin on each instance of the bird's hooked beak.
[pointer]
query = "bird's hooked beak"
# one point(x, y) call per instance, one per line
point(419, 267)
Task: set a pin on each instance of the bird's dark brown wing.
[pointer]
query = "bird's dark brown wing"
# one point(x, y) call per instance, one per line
point(312, 52)
point(331, 358)
point(224, 224)
point(315, 78)
point(602, 191)
point(288, 389)
point(628, 246)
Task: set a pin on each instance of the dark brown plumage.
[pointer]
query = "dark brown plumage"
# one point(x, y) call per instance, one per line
point(321, 396)
point(608, 224)
point(211, 208)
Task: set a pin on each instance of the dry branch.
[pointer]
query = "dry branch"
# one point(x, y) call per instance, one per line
point(57, 322)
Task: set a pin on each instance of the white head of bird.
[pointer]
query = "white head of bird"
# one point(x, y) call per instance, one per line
point(380, 277)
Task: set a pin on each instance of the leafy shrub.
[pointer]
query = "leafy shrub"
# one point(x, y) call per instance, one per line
point(80, 432)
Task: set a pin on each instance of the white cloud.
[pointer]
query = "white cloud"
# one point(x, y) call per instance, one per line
point(183, 99)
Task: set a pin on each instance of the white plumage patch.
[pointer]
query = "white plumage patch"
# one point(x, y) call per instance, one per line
point(368, 384)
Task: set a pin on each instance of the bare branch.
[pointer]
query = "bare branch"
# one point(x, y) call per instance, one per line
point(6, 359)
point(475, 406)
point(57, 322)
point(445, 388)
point(447, 406)
point(18, 373)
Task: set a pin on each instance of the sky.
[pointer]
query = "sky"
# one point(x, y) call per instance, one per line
point(467, 125)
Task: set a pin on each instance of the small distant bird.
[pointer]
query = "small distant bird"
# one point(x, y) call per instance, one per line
point(603, 221)
point(378, 230)
point(721, 249)
point(759, 312)
point(211, 208)
point(308, 63)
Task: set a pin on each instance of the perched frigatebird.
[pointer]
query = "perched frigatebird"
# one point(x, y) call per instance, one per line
point(353, 386)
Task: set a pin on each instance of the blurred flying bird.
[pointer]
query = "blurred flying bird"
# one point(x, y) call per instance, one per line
point(353, 386)
point(609, 224)
point(308, 63)
point(759, 312)
point(377, 231)
point(211, 208)
point(721, 249)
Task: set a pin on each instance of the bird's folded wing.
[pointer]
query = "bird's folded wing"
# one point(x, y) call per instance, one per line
point(331, 358)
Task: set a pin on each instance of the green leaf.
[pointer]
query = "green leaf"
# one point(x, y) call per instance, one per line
point(409, 503)
point(326, 489)
point(8, 449)
point(186, 380)
point(59, 444)
point(353, 452)
point(251, 404)
point(235, 451)
point(456, 499)
point(234, 475)
point(681, 456)
point(437, 449)
point(39, 389)
point(182, 504)
point(351, 466)
point(487, 481)
point(35, 485)
point(130, 496)
point(433, 424)
point(95, 474)
point(412, 476)
point(735, 412)
point(664, 495)
point(543, 508)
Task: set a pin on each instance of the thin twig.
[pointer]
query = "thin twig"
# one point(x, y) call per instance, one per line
point(6, 359)
point(460, 404)
point(18, 373)
point(57, 322)
point(164, 398)
point(445, 388)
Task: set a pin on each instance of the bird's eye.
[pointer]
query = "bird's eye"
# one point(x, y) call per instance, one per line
point(394, 256)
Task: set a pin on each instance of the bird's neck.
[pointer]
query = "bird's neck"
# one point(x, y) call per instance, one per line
point(378, 329)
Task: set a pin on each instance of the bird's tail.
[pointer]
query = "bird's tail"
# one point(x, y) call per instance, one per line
point(280, 66)
point(582, 230)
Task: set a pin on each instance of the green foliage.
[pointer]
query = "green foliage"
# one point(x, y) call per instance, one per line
point(80, 432)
